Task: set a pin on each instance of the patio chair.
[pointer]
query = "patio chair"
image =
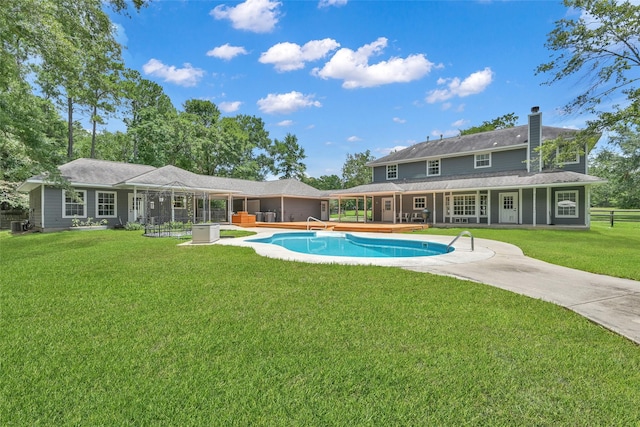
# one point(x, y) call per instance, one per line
point(416, 217)
point(403, 218)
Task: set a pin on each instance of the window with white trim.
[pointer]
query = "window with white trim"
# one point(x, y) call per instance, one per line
point(464, 205)
point(567, 204)
point(419, 203)
point(392, 171)
point(483, 160)
point(568, 156)
point(106, 204)
point(484, 202)
point(179, 202)
point(74, 203)
point(433, 167)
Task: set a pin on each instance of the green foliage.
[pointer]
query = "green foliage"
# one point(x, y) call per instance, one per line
point(355, 170)
point(133, 226)
point(502, 122)
point(325, 182)
point(288, 156)
point(117, 329)
point(89, 222)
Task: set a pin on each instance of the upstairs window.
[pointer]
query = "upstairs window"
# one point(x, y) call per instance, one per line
point(483, 160)
point(74, 203)
point(392, 171)
point(433, 167)
point(567, 156)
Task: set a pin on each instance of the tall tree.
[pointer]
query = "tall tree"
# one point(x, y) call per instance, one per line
point(600, 46)
point(355, 170)
point(324, 182)
point(502, 122)
point(288, 156)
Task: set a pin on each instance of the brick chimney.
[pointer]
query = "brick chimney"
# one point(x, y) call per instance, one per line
point(534, 160)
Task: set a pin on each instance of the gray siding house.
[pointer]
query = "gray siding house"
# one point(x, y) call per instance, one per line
point(490, 178)
point(121, 192)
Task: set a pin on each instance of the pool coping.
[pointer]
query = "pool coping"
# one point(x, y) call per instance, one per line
point(462, 254)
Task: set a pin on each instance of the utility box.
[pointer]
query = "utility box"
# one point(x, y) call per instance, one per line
point(205, 233)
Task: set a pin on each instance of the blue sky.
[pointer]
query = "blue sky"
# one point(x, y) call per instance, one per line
point(345, 76)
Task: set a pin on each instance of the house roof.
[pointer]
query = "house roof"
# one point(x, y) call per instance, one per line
point(102, 173)
point(475, 182)
point(495, 140)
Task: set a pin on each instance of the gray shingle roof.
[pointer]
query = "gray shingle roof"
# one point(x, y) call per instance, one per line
point(495, 181)
point(486, 141)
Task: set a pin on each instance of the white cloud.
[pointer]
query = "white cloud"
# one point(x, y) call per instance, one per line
point(459, 123)
point(445, 134)
point(355, 70)
point(285, 103)
point(187, 76)
point(329, 3)
point(258, 16)
point(399, 120)
point(285, 123)
point(229, 107)
point(227, 52)
point(120, 34)
point(354, 139)
point(476, 83)
point(291, 56)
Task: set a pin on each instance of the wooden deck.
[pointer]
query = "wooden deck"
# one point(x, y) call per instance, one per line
point(372, 227)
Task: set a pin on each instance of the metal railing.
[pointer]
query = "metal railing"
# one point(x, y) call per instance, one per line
point(462, 233)
point(317, 220)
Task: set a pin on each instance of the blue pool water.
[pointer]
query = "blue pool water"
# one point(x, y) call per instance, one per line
point(345, 244)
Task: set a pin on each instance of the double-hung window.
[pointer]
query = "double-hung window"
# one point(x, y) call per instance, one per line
point(392, 171)
point(179, 202)
point(567, 204)
point(74, 203)
point(106, 204)
point(464, 205)
point(419, 203)
point(483, 160)
point(433, 167)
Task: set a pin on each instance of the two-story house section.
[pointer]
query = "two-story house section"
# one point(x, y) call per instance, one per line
point(491, 178)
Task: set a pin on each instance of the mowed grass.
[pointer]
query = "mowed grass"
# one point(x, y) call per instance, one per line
point(111, 328)
point(614, 251)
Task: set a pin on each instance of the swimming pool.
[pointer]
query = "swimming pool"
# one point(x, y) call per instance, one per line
point(349, 245)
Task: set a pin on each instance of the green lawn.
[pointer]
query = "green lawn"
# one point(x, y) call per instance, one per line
point(111, 328)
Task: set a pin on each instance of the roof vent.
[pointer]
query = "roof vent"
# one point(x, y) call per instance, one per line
point(535, 109)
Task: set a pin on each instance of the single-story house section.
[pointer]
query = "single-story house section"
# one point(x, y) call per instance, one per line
point(491, 178)
point(124, 192)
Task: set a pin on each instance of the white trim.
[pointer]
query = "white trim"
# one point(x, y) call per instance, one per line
point(395, 171)
point(42, 207)
point(115, 204)
point(574, 162)
point(449, 155)
point(414, 202)
point(439, 167)
point(475, 160)
point(64, 204)
point(576, 204)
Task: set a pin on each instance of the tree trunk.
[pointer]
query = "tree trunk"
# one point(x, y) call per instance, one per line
point(93, 132)
point(70, 128)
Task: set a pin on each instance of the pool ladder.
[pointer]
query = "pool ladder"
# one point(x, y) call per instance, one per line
point(309, 227)
point(462, 233)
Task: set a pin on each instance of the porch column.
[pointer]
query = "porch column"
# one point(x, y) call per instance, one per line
point(394, 207)
point(229, 207)
point(339, 209)
point(173, 203)
point(400, 213)
point(548, 205)
point(365, 208)
point(489, 207)
point(281, 208)
point(534, 207)
point(433, 219)
point(135, 204)
point(42, 207)
point(520, 206)
point(478, 206)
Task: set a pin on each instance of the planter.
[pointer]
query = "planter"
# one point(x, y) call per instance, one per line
point(88, 228)
point(205, 233)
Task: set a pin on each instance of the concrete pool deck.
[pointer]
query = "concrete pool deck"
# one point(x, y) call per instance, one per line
point(609, 301)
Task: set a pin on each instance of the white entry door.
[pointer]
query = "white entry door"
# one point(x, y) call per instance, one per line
point(139, 208)
point(508, 208)
point(324, 210)
point(387, 209)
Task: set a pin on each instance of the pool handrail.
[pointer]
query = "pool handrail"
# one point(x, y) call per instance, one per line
point(462, 233)
point(317, 220)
